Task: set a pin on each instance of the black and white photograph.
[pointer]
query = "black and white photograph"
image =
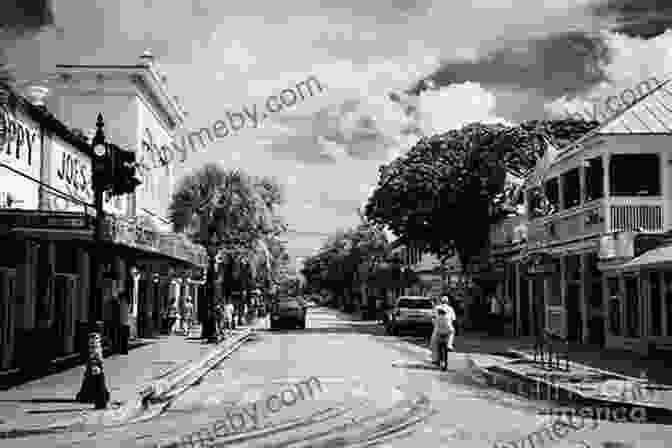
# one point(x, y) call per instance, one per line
point(336, 223)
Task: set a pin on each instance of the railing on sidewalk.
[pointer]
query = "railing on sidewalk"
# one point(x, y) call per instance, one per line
point(549, 348)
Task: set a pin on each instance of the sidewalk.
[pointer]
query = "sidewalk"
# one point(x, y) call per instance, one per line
point(50, 400)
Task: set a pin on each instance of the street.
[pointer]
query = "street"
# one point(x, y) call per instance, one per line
point(373, 389)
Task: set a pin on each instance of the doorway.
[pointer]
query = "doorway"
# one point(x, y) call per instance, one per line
point(63, 329)
point(8, 316)
point(574, 321)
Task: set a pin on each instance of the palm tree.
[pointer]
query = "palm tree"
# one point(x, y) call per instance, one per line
point(231, 214)
point(223, 211)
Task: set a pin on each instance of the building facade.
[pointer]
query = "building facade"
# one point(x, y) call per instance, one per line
point(46, 210)
point(608, 199)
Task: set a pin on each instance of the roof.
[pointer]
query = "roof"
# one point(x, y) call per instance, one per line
point(649, 259)
point(649, 114)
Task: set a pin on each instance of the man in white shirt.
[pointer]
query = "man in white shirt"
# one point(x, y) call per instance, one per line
point(444, 324)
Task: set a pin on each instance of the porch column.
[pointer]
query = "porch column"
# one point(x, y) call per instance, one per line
point(605, 187)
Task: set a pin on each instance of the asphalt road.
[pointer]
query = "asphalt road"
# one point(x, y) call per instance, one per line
point(343, 383)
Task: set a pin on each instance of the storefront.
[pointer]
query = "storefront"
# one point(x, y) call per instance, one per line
point(638, 293)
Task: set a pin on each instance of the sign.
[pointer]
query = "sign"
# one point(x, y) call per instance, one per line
point(20, 145)
point(19, 142)
point(44, 220)
point(70, 172)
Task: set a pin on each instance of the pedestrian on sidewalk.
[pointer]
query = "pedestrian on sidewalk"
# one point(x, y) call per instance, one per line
point(229, 312)
point(187, 315)
point(124, 322)
point(495, 316)
point(444, 324)
point(172, 317)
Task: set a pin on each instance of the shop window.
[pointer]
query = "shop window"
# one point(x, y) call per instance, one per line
point(655, 301)
point(614, 307)
point(594, 179)
point(552, 191)
point(571, 188)
point(632, 307)
point(622, 182)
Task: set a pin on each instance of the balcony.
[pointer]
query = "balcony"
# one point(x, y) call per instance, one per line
point(510, 230)
point(132, 233)
point(600, 216)
point(633, 213)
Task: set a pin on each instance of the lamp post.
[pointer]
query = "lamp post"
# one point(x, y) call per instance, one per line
point(94, 389)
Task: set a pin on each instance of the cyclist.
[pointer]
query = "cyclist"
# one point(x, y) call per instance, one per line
point(444, 324)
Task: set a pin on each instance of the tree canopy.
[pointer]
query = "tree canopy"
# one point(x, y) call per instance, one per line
point(444, 194)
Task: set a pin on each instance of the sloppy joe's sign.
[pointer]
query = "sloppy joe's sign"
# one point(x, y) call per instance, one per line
point(71, 174)
point(19, 143)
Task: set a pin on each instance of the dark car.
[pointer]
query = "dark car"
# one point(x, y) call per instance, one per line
point(288, 311)
point(411, 313)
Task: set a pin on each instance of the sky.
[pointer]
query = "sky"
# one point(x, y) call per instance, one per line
point(391, 71)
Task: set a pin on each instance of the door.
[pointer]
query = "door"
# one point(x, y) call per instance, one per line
point(63, 329)
point(7, 317)
point(524, 306)
point(574, 322)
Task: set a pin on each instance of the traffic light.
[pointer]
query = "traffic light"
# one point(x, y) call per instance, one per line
point(125, 178)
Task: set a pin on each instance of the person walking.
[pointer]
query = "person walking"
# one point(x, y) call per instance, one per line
point(444, 324)
point(172, 317)
point(187, 315)
point(229, 312)
point(495, 316)
point(124, 305)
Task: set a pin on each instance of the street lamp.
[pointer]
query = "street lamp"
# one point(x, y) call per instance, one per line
point(94, 389)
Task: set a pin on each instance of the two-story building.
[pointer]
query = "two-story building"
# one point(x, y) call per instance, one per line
point(47, 198)
point(609, 199)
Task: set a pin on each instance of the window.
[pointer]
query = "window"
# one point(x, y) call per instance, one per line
point(668, 300)
point(594, 178)
point(614, 307)
point(656, 302)
point(552, 190)
point(646, 178)
point(555, 290)
point(415, 303)
point(632, 307)
point(571, 188)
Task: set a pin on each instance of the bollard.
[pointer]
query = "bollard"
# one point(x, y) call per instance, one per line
point(93, 388)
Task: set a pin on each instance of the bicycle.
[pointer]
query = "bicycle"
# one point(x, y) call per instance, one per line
point(443, 352)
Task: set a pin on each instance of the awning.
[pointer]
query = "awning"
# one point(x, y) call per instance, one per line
point(654, 258)
point(54, 234)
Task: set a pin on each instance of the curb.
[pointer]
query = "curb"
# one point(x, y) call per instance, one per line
point(545, 390)
point(151, 399)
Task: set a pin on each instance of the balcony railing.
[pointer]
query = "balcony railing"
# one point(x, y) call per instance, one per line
point(628, 214)
point(133, 233)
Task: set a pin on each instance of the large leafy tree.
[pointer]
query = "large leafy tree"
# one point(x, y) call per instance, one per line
point(448, 189)
point(346, 259)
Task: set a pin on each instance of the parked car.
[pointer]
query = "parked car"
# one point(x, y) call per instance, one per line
point(411, 313)
point(288, 311)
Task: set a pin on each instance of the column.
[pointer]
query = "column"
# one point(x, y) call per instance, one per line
point(605, 186)
point(563, 294)
point(516, 298)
